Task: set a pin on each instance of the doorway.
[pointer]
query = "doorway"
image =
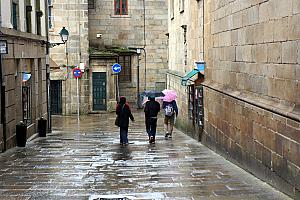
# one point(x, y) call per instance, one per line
point(99, 91)
point(56, 97)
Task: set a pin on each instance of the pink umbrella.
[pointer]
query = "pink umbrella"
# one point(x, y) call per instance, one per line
point(170, 95)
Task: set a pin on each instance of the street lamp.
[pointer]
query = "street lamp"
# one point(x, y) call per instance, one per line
point(64, 34)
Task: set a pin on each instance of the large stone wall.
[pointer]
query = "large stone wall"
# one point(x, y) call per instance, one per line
point(252, 81)
point(252, 87)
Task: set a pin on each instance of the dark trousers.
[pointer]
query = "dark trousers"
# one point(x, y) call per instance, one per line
point(124, 135)
point(151, 124)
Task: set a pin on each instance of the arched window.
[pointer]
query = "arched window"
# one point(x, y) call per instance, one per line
point(121, 7)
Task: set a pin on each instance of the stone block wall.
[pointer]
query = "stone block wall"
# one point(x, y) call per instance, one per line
point(252, 87)
point(73, 15)
point(259, 140)
point(191, 50)
point(19, 60)
point(134, 30)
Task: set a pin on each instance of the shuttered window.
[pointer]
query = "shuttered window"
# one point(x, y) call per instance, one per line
point(125, 74)
point(121, 7)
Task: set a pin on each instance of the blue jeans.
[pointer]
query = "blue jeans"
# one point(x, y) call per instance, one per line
point(124, 135)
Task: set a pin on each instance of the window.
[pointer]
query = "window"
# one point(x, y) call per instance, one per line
point(185, 43)
point(121, 7)
point(28, 11)
point(91, 4)
point(39, 15)
point(27, 81)
point(125, 74)
point(191, 104)
point(50, 16)
point(195, 104)
point(26, 99)
point(15, 16)
point(199, 105)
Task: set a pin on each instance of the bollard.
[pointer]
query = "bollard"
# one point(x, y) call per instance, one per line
point(21, 134)
point(42, 126)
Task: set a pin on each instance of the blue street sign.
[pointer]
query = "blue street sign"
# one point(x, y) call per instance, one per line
point(200, 65)
point(77, 73)
point(116, 68)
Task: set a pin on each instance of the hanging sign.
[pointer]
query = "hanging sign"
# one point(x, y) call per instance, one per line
point(3, 47)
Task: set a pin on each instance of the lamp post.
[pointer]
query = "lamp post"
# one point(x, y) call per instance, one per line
point(64, 34)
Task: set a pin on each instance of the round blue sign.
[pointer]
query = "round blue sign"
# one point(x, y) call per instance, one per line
point(116, 68)
point(77, 73)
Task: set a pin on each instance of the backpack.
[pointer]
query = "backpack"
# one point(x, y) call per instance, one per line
point(169, 110)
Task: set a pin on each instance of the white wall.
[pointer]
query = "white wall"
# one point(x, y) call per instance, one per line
point(43, 19)
point(6, 13)
point(22, 20)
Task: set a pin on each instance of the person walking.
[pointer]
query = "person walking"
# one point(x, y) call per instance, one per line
point(151, 110)
point(124, 113)
point(171, 112)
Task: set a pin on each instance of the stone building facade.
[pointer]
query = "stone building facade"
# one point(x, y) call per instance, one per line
point(64, 58)
point(252, 83)
point(132, 35)
point(185, 29)
point(23, 67)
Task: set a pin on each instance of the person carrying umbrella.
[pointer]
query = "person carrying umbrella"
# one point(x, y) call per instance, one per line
point(170, 110)
point(151, 110)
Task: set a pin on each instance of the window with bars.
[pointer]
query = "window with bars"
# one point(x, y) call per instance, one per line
point(195, 104)
point(121, 7)
point(125, 74)
point(191, 102)
point(199, 106)
point(26, 105)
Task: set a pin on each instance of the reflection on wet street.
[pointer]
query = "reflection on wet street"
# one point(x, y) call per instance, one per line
point(86, 161)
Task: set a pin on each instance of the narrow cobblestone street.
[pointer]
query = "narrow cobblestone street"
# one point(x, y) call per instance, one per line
point(85, 161)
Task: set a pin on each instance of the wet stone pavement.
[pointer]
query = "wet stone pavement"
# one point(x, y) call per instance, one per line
point(86, 161)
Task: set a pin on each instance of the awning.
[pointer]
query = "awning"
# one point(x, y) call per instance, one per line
point(53, 64)
point(187, 77)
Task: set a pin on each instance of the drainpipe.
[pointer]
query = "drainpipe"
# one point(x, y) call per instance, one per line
point(144, 5)
point(138, 81)
point(203, 30)
point(2, 92)
point(48, 70)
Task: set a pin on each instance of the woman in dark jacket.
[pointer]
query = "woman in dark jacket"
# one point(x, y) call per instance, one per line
point(124, 113)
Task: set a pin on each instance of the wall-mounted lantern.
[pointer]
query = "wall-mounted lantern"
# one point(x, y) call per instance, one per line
point(64, 35)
